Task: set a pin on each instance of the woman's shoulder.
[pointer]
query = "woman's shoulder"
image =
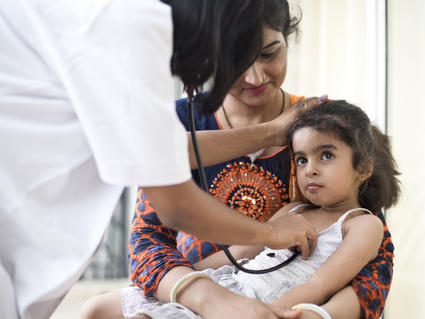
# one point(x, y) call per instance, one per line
point(294, 98)
point(202, 121)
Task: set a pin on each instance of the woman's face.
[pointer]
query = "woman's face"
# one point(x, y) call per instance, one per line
point(263, 79)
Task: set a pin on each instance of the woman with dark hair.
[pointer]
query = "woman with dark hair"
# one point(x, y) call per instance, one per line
point(257, 185)
point(87, 100)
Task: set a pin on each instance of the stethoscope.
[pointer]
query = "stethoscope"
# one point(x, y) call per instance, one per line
point(205, 187)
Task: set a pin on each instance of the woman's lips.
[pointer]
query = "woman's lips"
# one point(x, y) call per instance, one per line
point(258, 89)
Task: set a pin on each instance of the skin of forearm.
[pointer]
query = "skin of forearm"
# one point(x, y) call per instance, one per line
point(193, 296)
point(344, 305)
point(167, 282)
point(186, 207)
point(218, 146)
point(220, 259)
point(310, 292)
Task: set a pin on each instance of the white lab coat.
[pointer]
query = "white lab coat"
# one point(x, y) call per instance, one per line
point(86, 107)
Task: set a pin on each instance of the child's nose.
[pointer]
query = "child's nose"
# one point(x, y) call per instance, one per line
point(312, 169)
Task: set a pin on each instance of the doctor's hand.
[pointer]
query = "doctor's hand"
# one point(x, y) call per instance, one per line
point(290, 230)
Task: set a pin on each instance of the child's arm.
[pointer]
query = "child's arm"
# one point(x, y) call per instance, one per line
point(362, 239)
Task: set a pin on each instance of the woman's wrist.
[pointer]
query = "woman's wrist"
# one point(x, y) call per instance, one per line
point(198, 295)
point(276, 133)
point(184, 281)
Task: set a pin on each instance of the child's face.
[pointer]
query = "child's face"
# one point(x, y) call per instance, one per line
point(325, 172)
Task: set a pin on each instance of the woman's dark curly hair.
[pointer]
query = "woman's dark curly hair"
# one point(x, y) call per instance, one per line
point(277, 16)
point(351, 125)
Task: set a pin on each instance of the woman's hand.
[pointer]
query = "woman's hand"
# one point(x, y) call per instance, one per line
point(300, 314)
point(283, 122)
point(212, 301)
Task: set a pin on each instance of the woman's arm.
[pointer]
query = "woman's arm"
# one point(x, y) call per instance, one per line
point(156, 265)
point(372, 284)
point(212, 301)
point(360, 245)
point(218, 146)
point(152, 248)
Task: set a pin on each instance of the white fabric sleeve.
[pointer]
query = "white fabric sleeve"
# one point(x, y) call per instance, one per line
point(116, 70)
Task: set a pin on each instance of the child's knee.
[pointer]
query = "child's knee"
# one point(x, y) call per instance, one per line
point(91, 309)
point(99, 307)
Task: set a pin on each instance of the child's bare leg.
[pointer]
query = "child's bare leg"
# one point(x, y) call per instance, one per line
point(105, 306)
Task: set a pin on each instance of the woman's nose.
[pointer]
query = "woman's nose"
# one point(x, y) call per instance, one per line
point(254, 75)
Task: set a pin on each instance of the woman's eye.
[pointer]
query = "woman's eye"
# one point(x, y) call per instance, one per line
point(327, 156)
point(300, 161)
point(269, 55)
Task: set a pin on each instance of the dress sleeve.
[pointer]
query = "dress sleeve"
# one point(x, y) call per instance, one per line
point(152, 247)
point(373, 283)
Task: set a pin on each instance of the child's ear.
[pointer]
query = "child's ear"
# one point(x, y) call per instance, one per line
point(366, 170)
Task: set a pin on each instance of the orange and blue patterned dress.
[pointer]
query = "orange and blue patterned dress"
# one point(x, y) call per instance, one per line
point(256, 189)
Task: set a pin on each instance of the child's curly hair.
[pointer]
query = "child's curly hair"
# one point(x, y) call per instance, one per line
point(351, 125)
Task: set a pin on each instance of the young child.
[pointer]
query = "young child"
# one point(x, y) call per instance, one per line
point(345, 171)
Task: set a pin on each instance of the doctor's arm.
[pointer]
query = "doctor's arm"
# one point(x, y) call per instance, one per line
point(188, 208)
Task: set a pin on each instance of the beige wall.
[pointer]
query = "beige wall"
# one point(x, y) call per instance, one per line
point(336, 52)
point(407, 127)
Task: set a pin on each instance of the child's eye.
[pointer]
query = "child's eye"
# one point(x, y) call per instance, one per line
point(327, 156)
point(300, 161)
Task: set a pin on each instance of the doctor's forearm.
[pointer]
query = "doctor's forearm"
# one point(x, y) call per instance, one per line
point(186, 207)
